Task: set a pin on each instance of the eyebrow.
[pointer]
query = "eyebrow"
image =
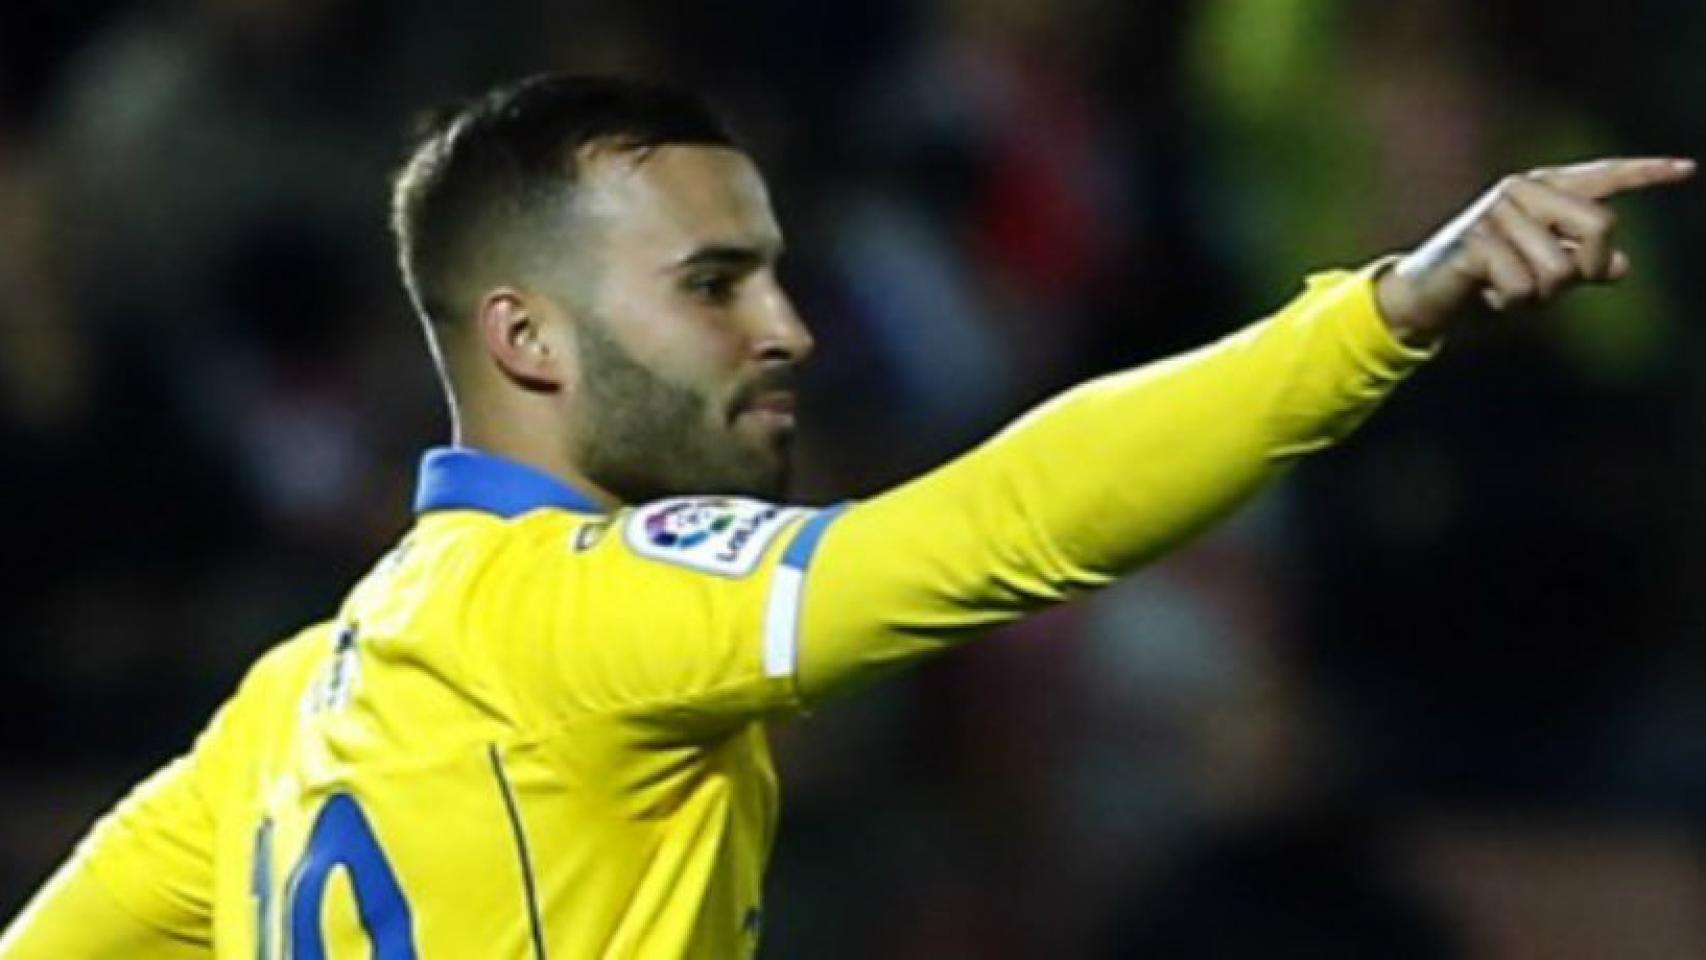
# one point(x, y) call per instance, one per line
point(731, 255)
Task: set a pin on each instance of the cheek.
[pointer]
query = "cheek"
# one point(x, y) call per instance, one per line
point(680, 341)
point(701, 348)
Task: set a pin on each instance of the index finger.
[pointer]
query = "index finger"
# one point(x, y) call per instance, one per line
point(1603, 178)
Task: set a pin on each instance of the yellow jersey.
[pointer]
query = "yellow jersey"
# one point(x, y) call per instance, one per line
point(537, 729)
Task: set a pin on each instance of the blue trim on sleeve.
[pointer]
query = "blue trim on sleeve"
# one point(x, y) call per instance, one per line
point(457, 478)
point(800, 551)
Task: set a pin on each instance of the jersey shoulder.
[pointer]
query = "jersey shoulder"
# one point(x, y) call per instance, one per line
point(664, 606)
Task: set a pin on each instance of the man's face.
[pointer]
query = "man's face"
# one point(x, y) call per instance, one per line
point(687, 347)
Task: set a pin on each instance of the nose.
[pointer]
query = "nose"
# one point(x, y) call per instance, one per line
point(780, 336)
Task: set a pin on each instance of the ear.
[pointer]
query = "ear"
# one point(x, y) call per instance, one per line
point(520, 334)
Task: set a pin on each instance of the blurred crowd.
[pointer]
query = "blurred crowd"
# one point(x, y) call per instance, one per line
point(1439, 694)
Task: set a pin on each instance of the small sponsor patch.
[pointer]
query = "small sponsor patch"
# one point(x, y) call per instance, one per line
point(589, 534)
point(721, 535)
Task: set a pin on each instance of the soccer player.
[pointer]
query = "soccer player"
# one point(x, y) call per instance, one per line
point(537, 727)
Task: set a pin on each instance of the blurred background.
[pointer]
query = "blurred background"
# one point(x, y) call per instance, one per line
point(1442, 693)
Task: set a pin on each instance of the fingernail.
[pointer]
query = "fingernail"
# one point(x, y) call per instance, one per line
point(1682, 165)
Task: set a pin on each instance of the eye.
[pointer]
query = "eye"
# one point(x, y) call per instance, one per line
point(714, 287)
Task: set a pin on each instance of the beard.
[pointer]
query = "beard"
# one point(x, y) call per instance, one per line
point(643, 437)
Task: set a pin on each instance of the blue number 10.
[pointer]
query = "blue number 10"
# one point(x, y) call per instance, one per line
point(341, 838)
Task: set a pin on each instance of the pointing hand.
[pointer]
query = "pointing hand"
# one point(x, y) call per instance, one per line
point(1529, 238)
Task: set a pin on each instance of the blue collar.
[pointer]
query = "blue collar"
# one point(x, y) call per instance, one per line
point(457, 478)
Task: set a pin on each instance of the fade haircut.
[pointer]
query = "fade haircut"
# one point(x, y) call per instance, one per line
point(491, 181)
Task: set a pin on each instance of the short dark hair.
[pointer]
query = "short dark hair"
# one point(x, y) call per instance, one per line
point(486, 174)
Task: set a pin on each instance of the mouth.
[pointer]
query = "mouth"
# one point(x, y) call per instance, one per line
point(775, 409)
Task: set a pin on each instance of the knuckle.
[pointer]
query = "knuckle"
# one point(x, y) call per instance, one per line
point(1554, 279)
point(1467, 270)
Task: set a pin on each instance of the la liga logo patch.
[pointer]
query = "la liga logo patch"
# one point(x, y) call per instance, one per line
point(688, 523)
point(726, 536)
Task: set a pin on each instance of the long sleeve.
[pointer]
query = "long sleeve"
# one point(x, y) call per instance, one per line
point(1090, 485)
point(141, 884)
point(75, 915)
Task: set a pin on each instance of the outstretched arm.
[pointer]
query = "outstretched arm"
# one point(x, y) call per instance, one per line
point(1109, 475)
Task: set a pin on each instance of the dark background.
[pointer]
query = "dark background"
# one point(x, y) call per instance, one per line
point(1439, 694)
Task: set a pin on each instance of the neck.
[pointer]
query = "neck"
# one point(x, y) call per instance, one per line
point(528, 433)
